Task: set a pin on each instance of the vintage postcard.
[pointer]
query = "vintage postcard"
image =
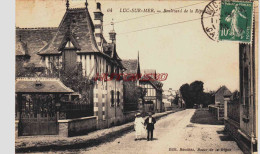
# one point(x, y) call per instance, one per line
point(137, 77)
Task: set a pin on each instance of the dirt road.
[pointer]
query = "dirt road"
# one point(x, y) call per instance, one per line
point(173, 134)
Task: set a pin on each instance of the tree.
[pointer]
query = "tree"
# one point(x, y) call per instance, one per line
point(131, 95)
point(141, 94)
point(196, 92)
point(75, 80)
point(176, 99)
point(185, 93)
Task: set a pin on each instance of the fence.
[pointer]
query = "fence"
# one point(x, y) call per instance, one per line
point(77, 110)
point(130, 107)
point(233, 111)
point(217, 111)
point(214, 110)
point(149, 107)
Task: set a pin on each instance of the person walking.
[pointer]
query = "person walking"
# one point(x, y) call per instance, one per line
point(139, 126)
point(149, 122)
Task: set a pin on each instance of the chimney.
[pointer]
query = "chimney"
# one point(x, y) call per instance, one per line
point(98, 23)
point(112, 33)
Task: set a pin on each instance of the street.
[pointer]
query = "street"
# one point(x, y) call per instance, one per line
point(173, 134)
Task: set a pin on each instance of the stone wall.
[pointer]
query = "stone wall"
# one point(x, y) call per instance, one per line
point(233, 129)
point(115, 121)
point(78, 126)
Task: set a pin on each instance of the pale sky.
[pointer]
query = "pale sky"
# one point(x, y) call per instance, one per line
point(182, 50)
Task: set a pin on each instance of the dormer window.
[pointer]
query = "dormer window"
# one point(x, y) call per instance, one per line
point(69, 45)
point(69, 42)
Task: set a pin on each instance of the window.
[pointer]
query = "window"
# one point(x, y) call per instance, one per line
point(69, 44)
point(112, 97)
point(118, 98)
point(74, 97)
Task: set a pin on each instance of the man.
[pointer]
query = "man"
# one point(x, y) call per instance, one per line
point(149, 122)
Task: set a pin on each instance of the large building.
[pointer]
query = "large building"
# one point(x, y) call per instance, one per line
point(77, 43)
point(241, 121)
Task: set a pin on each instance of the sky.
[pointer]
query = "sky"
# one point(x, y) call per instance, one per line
point(182, 50)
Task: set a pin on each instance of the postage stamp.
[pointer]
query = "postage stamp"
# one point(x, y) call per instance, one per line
point(236, 21)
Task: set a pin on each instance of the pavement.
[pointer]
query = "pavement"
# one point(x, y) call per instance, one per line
point(173, 134)
point(53, 143)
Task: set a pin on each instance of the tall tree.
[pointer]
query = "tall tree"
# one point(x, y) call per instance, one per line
point(185, 93)
point(196, 92)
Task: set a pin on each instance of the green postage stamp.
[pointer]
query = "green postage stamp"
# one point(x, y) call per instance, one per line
point(236, 21)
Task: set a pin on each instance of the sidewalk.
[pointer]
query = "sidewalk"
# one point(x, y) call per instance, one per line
point(53, 142)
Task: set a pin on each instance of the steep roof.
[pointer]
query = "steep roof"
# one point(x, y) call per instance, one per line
point(79, 21)
point(131, 65)
point(21, 48)
point(156, 84)
point(110, 50)
point(40, 85)
point(222, 90)
point(149, 71)
point(34, 39)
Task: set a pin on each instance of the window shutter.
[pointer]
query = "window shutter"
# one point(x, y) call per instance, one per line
point(118, 100)
point(112, 97)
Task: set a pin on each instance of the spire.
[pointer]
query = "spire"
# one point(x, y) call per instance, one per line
point(67, 4)
point(86, 3)
point(112, 33)
point(138, 56)
point(138, 67)
point(112, 24)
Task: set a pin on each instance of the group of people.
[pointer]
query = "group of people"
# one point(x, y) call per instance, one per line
point(140, 125)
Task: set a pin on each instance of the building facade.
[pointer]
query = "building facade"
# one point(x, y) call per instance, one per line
point(241, 121)
point(219, 95)
point(77, 43)
point(153, 90)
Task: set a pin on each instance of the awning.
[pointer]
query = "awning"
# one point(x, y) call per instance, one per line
point(40, 85)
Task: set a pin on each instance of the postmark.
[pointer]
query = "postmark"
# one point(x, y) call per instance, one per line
point(236, 21)
point(210, 19)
